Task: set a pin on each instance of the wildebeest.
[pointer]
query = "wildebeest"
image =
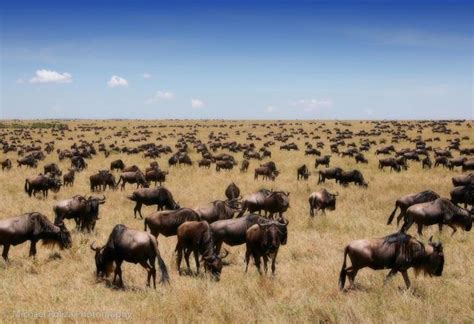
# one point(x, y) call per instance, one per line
point(196, 237)
point(29, 161)
point(225, 165)
point(117, 165)
point(346, 177)
point(443, 160)
point(266, 173)
point(232, 192)
point(52, 169)
point(68, 178)
point(84, 211)
point(101, 180)
point(159, 196)
point(205, 163)
point(268, 201)
point(41, 183)
point(32, 227)
point(320, 200)
point(216, 210)
point(156, 175)
point(440, 211)
point(302, 172)
point(244, 166)
point(6, 164)
point(426, 162)
point(389, 162)
point(167, 222)
point(324, 160)
point(131, 245)
point(409, 200)
point(397, 252)
point(233, 231)
point(263, 241)
point(468, 165)
point(359, 157)
point(133, 177)
point(463, 195)
point(463, 180)
point(78, 163)
point(330, 173)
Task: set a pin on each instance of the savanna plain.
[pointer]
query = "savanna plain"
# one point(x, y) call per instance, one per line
point(305, 287)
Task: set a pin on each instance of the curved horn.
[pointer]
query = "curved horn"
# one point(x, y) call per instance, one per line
point(431, 239)
point(93, 247)
point(103, 198)
point(336, 194)
point(225, 254)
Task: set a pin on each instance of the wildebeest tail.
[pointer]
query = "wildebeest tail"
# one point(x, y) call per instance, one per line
point(392, 215)
point(27, 187)
point(165, 278)
point(146, 224)
point(343, 274)
point(132, 197)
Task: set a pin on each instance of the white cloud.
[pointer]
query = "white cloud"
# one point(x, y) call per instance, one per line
point(160, 95)
point(116, 81)
point(270, 109)
point(47, 76)
point(146, 75)
point(197, 103)
point(313, 104)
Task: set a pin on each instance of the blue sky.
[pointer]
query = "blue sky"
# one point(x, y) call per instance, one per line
point(237, 60)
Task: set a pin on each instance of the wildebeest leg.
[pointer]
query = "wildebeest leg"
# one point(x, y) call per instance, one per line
point(405, 277)
point(351, 274)
point(118, 272)
point(453, 228)
point(440, 226)
point(179, 257)
point(76, 219)
point(187, 253)
point(390, 275)
point(6, 247)
point(247, 259)
point(311, 211)
point(256, 258)
point(420, 229)
point(147, 267)
point(196, 259)
point(274, 262)
point(218, 246)
point(265, 263)
point(138, 207)
point(33, 248)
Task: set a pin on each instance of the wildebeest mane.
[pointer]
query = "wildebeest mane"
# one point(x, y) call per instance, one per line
point(408, 251)
point(451, 209)
point(426, 196)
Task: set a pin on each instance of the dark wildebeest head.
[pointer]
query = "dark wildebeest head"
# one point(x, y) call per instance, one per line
point(435, 263)
point(232, 191)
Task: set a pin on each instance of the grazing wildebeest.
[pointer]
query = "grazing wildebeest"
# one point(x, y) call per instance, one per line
point(440, 211)
point(389, 162)
point(359, 157)
point(263, 241)
point(312, 151)
point(131, 245)
point(330, 173)
point(41, 183)
point(266, 173)
point(167, 222)
point(463, 180)
point(196, 237)
point(397, 252)
point(6, 164)
point(32, 227)
point(217, 210)
point(101, 180)
point(84, 211)
point(232, 192)
point(117, 165)
point(324, 160)
point(156, 175)
point(458, 162)
point(29, 161)
point(132, 168)
point(68, 178)
point(52, 169)
point(426, 162)
point(463, 195)
point(346, 177)
point(320, 200)
point(133, 177)
point(302, 172)
point(468, 165)
point(233, 231)
point(245, 165)
point(268, 201)
point(409, 200)
point(159, 196)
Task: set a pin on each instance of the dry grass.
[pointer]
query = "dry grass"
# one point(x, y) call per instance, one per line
point(305, 287)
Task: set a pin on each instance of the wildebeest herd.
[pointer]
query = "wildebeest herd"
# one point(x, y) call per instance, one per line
point(257, 219)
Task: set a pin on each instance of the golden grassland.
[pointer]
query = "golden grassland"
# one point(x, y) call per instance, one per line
point(305, 286)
